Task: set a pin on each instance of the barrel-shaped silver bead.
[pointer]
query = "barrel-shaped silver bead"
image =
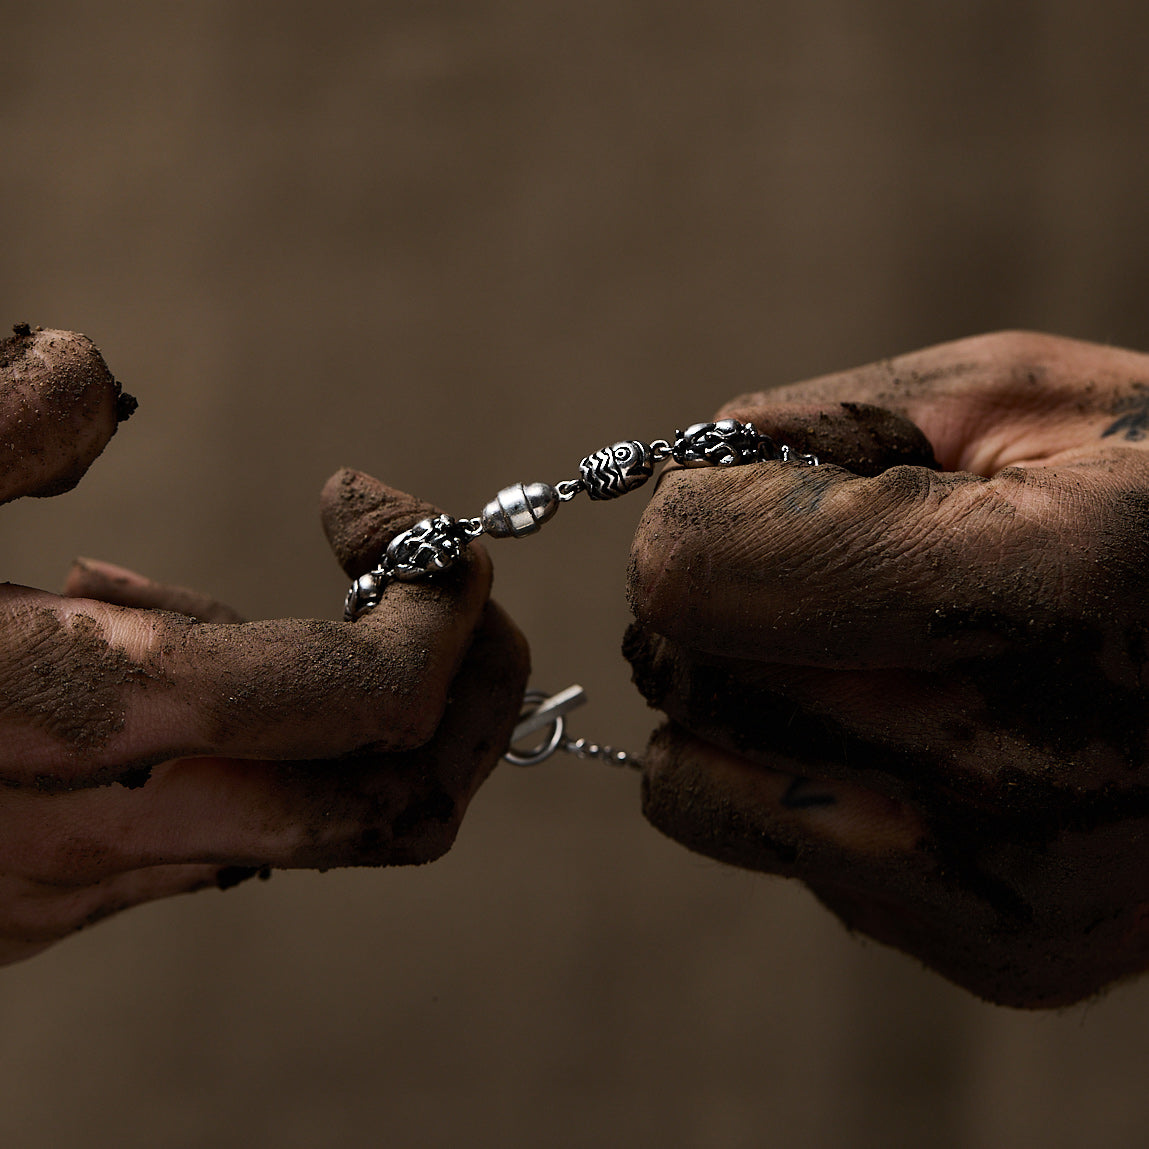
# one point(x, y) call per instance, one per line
point(519, 510)
point(364, 594)
point(617, 469)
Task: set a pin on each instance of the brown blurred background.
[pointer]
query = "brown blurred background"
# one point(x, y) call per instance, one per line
point(461, 244)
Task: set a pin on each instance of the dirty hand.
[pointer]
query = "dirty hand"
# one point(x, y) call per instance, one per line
point(149, 752)
point(918, 686)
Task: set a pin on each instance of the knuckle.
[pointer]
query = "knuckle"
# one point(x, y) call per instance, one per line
point(1018, 358)
point(420, 721)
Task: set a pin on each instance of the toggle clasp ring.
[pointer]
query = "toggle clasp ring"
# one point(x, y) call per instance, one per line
point(540, 711)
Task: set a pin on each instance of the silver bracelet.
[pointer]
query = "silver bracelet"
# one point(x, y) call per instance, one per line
point(435, 544)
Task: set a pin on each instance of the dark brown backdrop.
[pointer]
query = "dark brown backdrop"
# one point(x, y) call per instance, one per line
point(461, 244)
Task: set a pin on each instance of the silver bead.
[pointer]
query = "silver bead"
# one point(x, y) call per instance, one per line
point(365, 593)
point(617, 469)
point(429, 546)
point(519, 510)
point(726, 443)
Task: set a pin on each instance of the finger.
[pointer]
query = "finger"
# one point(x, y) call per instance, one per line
point(905, 734)
point(936, 740)
point(91, 578)
point(91, 692)
point(862, 853)
point(816, 566)
point(775, 819)
point(362, 515)
point(35, 915)
point(59, 406)
point(971, 900)
point(984, 403)
point(370, 809)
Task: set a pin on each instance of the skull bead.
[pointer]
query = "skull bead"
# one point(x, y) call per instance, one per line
point(364, 595)
point(726, 443)
point(429, 546)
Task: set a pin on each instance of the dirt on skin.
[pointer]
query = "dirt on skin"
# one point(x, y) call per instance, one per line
point(1012, 892)
point(864, 439)
point(376, 805)
point(59, 405)
point(61, 676)
point(91, 579)
point(404, 808)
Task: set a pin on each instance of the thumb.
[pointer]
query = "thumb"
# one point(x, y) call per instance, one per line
point(59, 406)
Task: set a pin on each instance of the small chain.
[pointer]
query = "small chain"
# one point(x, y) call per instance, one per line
point(582, 748)
point(548, 714)
point(789, 456)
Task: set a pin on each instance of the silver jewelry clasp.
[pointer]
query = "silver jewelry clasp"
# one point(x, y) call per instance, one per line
point(542, 710)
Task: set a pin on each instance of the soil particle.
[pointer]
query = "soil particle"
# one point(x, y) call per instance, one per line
point(126, 405)
point(864, 439)
point(65, 678)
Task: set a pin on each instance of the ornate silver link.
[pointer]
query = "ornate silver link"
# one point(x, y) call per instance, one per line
point(568, 488)
point(430, 546)
point(726, 443)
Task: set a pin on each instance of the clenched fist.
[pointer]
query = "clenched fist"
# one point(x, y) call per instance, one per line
point(915, 677)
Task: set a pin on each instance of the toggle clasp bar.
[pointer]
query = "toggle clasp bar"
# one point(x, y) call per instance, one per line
point(548, 709)
point(542, 711)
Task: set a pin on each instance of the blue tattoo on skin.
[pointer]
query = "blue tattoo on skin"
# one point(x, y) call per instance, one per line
point(1133, 426)
point(802, 794)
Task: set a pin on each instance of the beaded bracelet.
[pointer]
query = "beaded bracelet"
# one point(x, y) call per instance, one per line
point(435, 544)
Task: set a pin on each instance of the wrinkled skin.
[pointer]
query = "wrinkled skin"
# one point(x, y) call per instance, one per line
point(154, 744)
point(916, 680)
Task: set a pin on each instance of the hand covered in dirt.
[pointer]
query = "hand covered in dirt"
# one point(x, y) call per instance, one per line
point(154, 744)
point(915, 677)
